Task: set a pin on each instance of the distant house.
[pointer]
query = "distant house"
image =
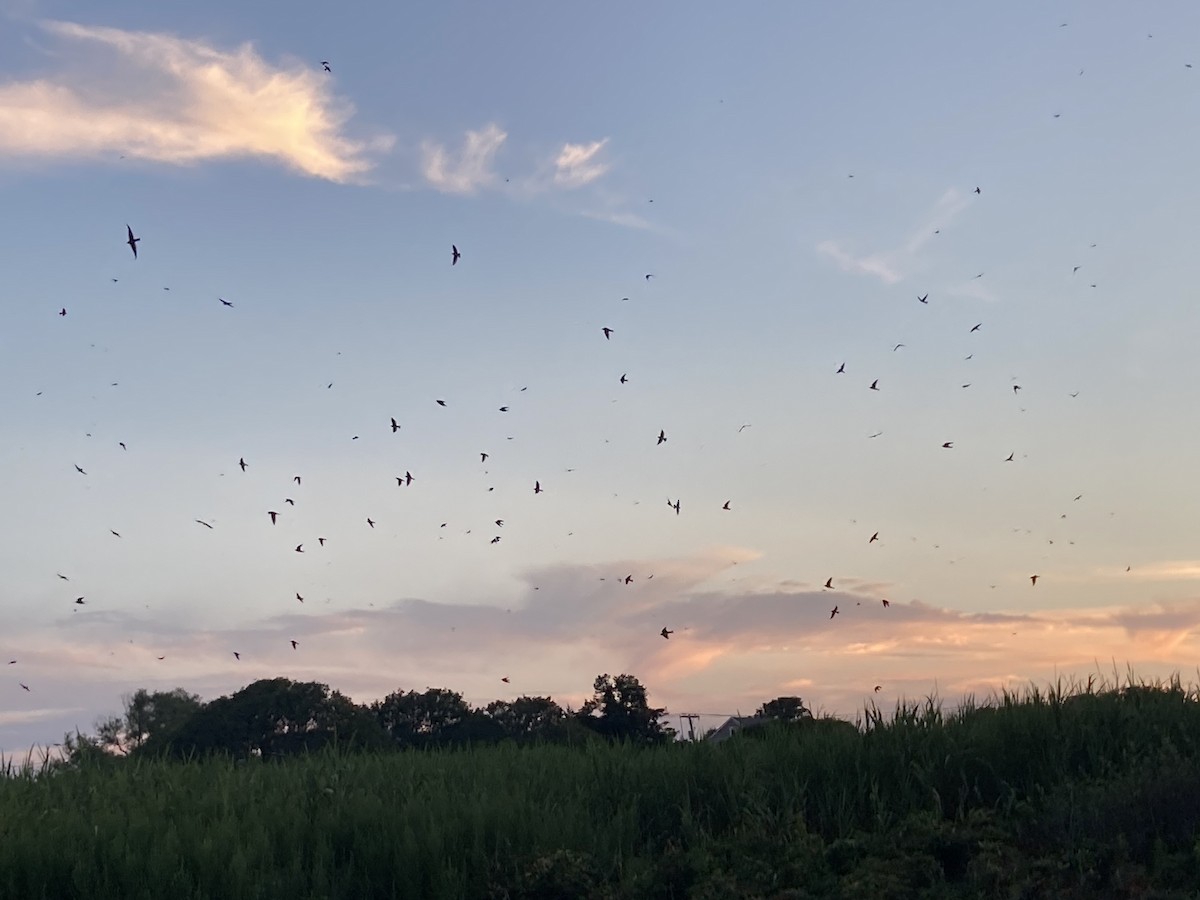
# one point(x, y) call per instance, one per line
point(732, 726)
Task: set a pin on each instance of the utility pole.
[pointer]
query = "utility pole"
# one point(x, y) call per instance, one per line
point(691, 717)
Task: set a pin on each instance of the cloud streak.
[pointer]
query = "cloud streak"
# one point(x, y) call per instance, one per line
point(577, 164)
point(470, 169)
point(177, 101)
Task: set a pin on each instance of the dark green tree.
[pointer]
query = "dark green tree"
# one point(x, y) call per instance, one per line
point(273, 718)
point(422, 719)
point(147, 714)
point(619, 710)
point(784, 709)
point(528, 719)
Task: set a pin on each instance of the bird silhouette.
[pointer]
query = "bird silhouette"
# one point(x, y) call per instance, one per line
point(132, 241)
point(923, 299)
point(299, 548)
point(829, 582)
point(833, 612)
point(321, 541)
point(537, 487)
point(874, 538)
point(726, 506)
point(441, 402)
point(454, 255)
point(325, 65)
point(874, 385)
point(840, 369)
point(977, 327)
point(225, 302)
point(662, 437)
point(623, 379)
point(505, 680)
point(298, 597)
point(63, 311)
point(80, 471)
point(236, 655)
point(886, 604)
point(370, 522)
point(666, 633)
point(205, 524)
point(294, 645)
point(499, 523)
point(949, 445)
point(1009, 458)
point(607, 333)
point(1033, 579)
point(242, 463)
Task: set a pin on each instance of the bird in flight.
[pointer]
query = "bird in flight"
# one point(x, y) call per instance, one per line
point(623, 379)
point(236, 655)
point(978, 191)
point(63, 311)
point(897, 347)
point(299, 548)
point(441, 402)
point(242, 463)
point(662, 437)
point(298, 597)
point(205, 524)
point(666, 633)
point(874, 538)
point(321, 541)
point(496, 539)
point(651, 275)
point(325, 65)
point(874, 385)
point(537, 487)
point(923, 299)
point(1033, 579)
point(878, 688)
point(505, 680)
point(833, 612)
point(886, 604)
point(79, 601)
point(294, 645)
point(296, 478)
point(841, 369)
point(25, 686)
point(225, 302)
point(289, 501)
point(976, 328)
point(110, 531)
point(829, 583)
point(504, 409)
point(370, 522)
point(395, 426)
point(80, 471)
point(949, 445)
point(607, 333)
point(454, 255)
point(132, 242)
point(726, 506)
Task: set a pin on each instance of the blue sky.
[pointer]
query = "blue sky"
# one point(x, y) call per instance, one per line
point(793, 177)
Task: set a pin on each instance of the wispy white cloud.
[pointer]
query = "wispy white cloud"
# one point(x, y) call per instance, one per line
point(470, 169)
point(577, 164)
point(172, 100)
point(869, 265)
point(893, 266)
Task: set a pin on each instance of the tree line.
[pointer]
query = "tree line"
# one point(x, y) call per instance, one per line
point(277, 717)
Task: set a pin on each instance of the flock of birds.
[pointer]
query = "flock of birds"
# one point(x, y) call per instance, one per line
point(407, 479)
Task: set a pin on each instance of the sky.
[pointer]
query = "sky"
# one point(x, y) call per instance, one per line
point(750, 199)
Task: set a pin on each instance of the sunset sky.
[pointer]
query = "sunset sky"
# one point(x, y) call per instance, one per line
point(793, 176)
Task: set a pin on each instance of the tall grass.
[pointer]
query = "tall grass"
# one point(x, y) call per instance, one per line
point(785, 808)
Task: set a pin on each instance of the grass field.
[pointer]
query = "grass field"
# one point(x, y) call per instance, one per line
point(1059, 793)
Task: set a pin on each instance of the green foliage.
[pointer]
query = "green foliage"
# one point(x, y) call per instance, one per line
point(620, 710)
point(1056, 793)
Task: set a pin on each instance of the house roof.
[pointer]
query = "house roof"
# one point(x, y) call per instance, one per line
point(732, 725)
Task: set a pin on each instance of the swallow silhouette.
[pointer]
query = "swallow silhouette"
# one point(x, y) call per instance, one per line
point(133, 241)
point(505, 680)
point(874, 385)
point(395, 426)
point(1033, 579)
point(299, 548)
point(370, 522)
point(504, 409)
point(874, 538)
point(242, 463)
point(537, 487)
point(878, 688)
point(499, 523)
point(662, 437)
point(441, 403)
point(205, 524)
point(1009, 458)
point(225, 302)
point(63, 311)
point(236, 655)
point(976, 328)
point(294, 645)
point(325, 65)
point(289, 501)
point(623, 379)
point(829, 583)
point(949, 445)
point(496, 539)
point(833, 612)
point(726, 506)
point(321, 541)
point(607, 333)
point(80, 471)
point(840, 369)
point(298, 597)
point(886, 604)
point(454, 255)
point(666, 633)
point(923, 299)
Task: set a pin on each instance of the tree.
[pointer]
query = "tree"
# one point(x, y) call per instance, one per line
point(619, 710)
point(272, 718)
point(147, 715)
point(420, 719)
point(784, 709)
point(528, 718)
